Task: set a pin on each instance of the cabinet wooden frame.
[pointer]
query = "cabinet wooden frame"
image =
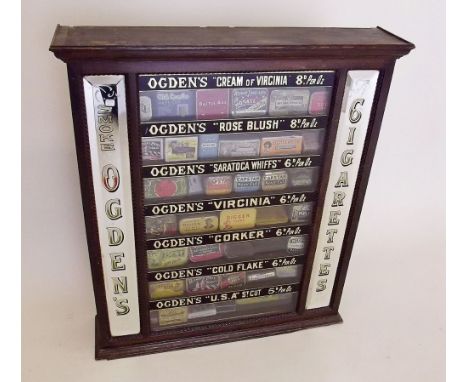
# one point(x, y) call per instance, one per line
point(107, 51)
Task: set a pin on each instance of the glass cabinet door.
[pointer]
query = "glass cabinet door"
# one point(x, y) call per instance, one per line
point(231, 166)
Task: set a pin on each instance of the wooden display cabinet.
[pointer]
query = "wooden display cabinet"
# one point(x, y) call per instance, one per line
point(223, 171)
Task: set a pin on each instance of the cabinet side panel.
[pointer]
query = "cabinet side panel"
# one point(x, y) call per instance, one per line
point(75, 79)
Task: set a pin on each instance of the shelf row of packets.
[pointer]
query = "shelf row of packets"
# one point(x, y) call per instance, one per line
point(167, 258)
point(226, 184)
point(223, 310)
point(228, 220)
point(202, 285)
point(237, 103)
point(219, 146)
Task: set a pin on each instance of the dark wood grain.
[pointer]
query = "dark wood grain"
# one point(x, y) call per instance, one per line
point(227, 334)
point(71, 43)
point(75, 80)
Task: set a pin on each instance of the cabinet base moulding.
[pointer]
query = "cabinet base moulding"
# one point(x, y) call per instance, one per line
point(103, 351)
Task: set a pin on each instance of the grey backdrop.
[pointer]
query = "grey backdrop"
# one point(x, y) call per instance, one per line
point(394, 298)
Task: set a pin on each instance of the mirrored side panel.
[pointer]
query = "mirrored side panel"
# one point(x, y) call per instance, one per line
point(106, 115)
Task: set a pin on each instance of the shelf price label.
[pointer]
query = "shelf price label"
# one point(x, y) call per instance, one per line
point(225, 268)
point(226, 296)
point(110, 165)
point(298, 162)
point(288, 231)
point(238, 125)
point(226, 237)
point(221, 167)
point(235, 80)
point(228, 203)
point(352, 129)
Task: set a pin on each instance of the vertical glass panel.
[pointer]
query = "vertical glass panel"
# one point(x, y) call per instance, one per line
point(231, 167)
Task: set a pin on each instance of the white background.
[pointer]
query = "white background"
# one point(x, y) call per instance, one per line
point(393, 303)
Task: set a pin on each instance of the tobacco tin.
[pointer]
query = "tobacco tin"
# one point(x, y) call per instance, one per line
point(152, 149)
point(203, 284)
point(301, 213)
point(319, 100)
point(291, 101)
point(181, 149)
point(201, 311)
point(208, 146)
point(199, 223)
point(296, 245)
point(274, 215)
point(275, 180)
point(195, 185)
point(148, 188)
point(238, 218)
point(247, 182)
point(172, 104)
point(218, 184)
point(313, 141)
point(239, 148)
point(166, 289)
point(288, 272)
point(173, 316)
point(271, 299)
point(146, 111)
point(212, 103)
point(207, 252)
point(165, 187)
point(225, 306)
point(304, 177)
point(260, 275)
point(249, 102)
point(284, 145)
point(258, 300)
point(275, 244)
point(167, 257)
point(161, 225)
point(233, 280)
point(241, 249)
point(154, 317)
